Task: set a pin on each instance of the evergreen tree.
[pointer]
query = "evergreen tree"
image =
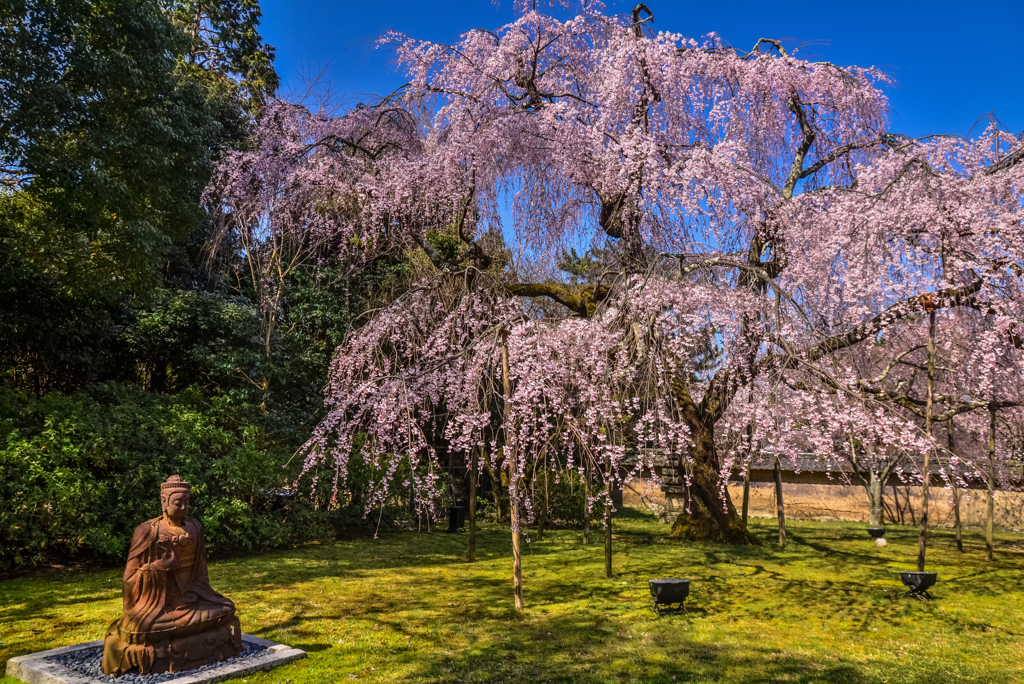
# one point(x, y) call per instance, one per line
point(107, 141)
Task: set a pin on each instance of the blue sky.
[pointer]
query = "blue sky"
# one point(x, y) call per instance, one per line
point(953, 62)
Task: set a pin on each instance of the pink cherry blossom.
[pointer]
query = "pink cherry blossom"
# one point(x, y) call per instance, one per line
point(778, 247)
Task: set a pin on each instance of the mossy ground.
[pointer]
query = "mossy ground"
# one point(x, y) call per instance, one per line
point(408, 608)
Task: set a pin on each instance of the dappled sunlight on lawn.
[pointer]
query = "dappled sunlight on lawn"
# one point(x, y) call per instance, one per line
point(408, 608)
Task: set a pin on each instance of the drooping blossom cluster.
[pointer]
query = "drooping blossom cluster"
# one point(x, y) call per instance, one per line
point(791, 247)
point(426, 373)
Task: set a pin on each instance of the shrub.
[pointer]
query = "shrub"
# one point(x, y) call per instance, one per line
point(78, 472)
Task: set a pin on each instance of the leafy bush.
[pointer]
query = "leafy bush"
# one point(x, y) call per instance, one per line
point(78, 473)
point(567, 499)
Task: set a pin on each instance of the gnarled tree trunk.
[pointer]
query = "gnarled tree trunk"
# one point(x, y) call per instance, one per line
point(712, 515)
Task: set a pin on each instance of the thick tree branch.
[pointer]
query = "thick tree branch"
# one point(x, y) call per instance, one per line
point(1006, 162)
point(420, 236)
point(727, 381)
point(956, 296)
point(888, 369)
point(770, 41)
point(809, 135)
point(836, 154)
point(583, 303)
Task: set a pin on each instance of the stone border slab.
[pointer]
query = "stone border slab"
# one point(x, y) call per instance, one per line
point(34, 668)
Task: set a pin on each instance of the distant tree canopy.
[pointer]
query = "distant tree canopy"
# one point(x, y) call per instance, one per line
point(106, 143)
point(111, 115)
point(127, 350)
point(224, 40)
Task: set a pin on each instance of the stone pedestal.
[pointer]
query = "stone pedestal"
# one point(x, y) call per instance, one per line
point(42, 668)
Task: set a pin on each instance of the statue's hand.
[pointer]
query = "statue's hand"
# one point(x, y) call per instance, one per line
point(166, 560)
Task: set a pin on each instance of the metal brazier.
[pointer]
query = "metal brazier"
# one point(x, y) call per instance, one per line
point(919, 583)
point(669, 592)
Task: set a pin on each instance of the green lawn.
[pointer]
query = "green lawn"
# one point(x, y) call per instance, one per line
point(408, 608)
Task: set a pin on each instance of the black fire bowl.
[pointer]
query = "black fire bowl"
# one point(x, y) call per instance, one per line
point(669, 592)
point(919, 583)
point(876, 532)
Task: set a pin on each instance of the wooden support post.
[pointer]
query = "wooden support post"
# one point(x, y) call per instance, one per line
point(473, 453)
point(746, 494)
point(990, 511)
point(958, 526)
point(586, 502)
point(780, 508)
point(922, 540)
point(750, 457)
point(513, 483)
point(542, 514)
point(608, 524)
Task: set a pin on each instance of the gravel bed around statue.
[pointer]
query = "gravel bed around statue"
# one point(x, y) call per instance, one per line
point(87, 661)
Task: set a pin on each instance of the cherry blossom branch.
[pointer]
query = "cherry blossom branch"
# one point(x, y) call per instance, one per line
point(888, 369)
point(793, 102)
point(761, 274)
point(770, 41)
point(836, 154)
point(1006, 162)
point(727, 382)
point(943, 298)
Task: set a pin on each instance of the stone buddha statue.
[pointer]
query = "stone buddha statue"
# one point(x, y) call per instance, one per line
point(172, 619)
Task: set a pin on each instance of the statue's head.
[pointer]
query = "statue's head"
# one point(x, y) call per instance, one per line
point(175, 497)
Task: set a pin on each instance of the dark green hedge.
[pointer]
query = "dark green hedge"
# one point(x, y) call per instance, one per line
point(78, 472)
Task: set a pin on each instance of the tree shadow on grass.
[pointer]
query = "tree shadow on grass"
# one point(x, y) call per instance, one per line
point(50, 595)
point(587, 642)
point(578, 626)
point(758, 581)
point(586, 648)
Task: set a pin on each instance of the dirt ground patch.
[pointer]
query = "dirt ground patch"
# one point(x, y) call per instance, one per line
point(849, 503)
